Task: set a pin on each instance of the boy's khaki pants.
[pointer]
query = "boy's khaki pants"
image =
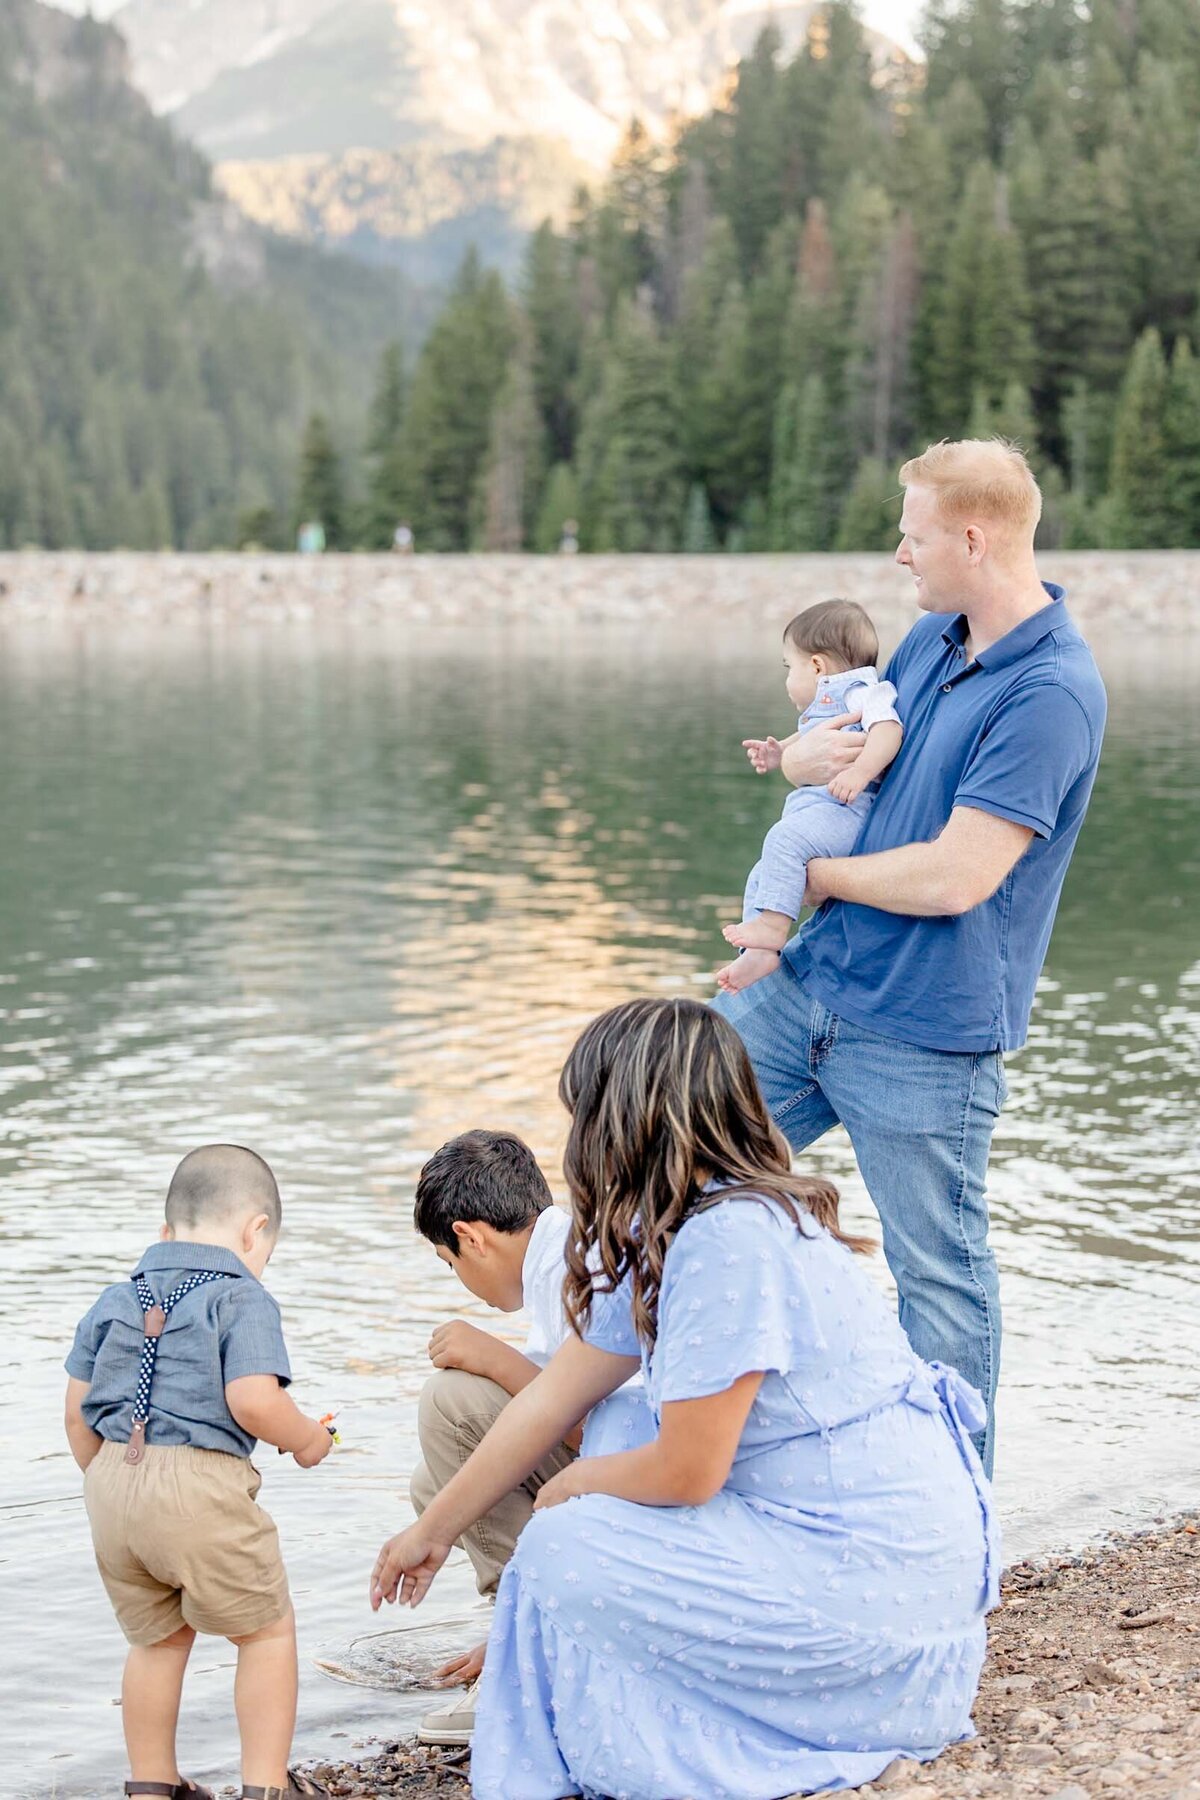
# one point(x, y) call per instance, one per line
point(456, 1412)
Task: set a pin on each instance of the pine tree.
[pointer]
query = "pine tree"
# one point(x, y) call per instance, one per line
point(550, 294)
point(981, 336)
point(753, 187)
point(389, 476)
point(800, 512)
point(1138, 505)
point(457, 378)
point(698, 535)
point(872, 510)
point(511, 478)
point(1181, 439)
point(319, 493)
point(559, 507)
point(1010, 417)
point(630, 467)
point(1166, 193)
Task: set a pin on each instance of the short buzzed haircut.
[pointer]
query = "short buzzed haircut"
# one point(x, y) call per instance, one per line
point(219, 1182)
point(980, 478)
point(837, 628)
point(481, 1178)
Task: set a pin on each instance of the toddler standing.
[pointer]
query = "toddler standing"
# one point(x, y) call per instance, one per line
point(172, 1377)
point(829, 651)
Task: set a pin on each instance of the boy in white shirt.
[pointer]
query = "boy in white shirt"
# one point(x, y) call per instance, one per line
point(485, 1206)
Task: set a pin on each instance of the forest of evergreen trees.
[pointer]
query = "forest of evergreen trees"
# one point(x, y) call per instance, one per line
point(733, 345)
point(146, 400)
point(740, 338)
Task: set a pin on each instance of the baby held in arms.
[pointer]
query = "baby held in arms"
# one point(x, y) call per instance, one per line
point(829, 651)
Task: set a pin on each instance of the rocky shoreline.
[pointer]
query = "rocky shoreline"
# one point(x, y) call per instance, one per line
point(1158, 591)
point(1091, 1688)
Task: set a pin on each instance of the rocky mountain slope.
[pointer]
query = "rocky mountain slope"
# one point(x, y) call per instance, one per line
point(383, 123)
point(159, 353)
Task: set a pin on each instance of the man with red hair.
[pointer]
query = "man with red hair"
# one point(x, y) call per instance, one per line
point(894, 1005)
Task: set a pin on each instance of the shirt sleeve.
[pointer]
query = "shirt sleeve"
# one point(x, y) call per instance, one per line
point(610, 1326)
point(81, 1361)
point(734, 1300)
point(877, 701)
point(1028, 759)
point(251, 1334)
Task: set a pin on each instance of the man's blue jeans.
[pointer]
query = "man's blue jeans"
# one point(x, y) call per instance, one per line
point(921, 1125)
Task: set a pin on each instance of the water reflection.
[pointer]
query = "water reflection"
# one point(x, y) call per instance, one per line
point(340, 891)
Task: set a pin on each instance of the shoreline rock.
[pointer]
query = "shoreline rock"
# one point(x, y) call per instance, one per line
point(1091, 1688)
point(1156, 591)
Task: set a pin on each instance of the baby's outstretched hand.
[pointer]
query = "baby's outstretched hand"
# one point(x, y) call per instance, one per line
point(764, 753)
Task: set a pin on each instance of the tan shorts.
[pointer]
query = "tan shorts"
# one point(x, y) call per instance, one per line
point(180, 1541)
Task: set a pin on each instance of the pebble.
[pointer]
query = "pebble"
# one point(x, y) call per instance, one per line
point(1034, 1756)
point(896, 1773)
point(1145, 1722)
point(1071, 1792)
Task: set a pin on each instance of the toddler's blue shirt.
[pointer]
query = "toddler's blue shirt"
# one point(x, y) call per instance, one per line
point(215, 1334)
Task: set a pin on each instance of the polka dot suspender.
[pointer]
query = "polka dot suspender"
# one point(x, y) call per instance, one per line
point(156, 1318)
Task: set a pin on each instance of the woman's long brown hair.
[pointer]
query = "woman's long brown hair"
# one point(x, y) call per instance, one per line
point(663, 1101)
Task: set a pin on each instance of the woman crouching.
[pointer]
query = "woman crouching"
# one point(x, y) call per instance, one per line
point(786, 1589)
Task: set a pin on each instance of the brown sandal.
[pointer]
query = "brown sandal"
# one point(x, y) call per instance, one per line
point(183, 1790)
point(299, 1787)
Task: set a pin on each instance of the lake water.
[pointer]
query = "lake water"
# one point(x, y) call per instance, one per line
point(341, 891)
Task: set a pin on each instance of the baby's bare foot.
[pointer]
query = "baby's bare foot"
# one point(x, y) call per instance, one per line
point(769, 931)
point(746, 969)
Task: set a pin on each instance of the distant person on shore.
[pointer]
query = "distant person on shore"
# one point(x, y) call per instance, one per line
point(402, 540)
point(484, 1205)
point(568, 543)
point(892, 1009)
point(172, 1377)
point(829, 651)
point(786, 1587)
point(310, 539)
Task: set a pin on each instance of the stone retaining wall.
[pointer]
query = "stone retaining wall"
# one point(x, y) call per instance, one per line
point(1146, 592)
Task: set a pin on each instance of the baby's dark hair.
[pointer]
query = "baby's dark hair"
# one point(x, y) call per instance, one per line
point(838, 628)
point(481, 1178)
point(218, 1181)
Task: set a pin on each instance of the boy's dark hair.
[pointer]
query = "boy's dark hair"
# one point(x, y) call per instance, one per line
point(483, 1178)
point(215, 1181)
point(836, 628)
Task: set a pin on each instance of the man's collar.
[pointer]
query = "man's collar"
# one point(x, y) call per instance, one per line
point(1021, 639)
point(172, 1255)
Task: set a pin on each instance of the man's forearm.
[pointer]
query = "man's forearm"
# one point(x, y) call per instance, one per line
point(915, 879)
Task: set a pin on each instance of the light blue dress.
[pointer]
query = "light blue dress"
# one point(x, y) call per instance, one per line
point(821, 1615)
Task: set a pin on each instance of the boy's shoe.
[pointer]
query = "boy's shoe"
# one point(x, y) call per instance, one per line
point(299, 1787)
point(182, 1790)
point(453, 1724)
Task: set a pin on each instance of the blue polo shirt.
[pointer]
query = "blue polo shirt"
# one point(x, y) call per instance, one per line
point(1016, 732)
point(215, 1334)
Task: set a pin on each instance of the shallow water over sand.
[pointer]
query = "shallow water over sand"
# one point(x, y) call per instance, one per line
point(339, 890)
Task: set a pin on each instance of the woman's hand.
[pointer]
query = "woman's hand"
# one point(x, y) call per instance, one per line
point(405, 1568)
point(566, 1485)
